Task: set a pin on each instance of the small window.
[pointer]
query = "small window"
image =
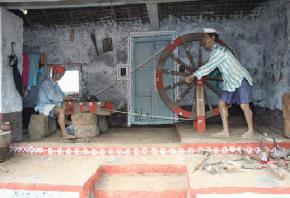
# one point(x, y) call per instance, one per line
point(122, 72)
point(70, 82)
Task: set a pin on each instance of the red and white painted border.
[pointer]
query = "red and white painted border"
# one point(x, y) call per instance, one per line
point(183, 149)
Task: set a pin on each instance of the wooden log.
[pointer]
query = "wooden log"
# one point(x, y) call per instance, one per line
point(201, 162)
point(84, 131)
point(286, 113)
point(286, 105)
point(84, 119)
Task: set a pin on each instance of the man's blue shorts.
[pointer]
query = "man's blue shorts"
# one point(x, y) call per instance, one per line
point(242, 95)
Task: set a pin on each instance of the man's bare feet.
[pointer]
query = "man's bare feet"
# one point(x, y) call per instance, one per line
point(68, 136)
point(83, 140)
point(248, 134)
point(69, 140)
point(221, 134)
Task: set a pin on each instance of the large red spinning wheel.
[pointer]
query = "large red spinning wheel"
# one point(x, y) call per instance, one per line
point(199, 112)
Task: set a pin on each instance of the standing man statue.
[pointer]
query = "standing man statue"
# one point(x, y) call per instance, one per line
point(51, 98)
point(237, 82)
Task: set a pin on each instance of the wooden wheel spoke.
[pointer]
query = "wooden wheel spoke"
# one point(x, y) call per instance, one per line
point(211, 87)
point(175, 73)
point(189, 57)
point(214, 78)
point(183, 94)
point(174, 85)
point(180, 62)
point(199, 63)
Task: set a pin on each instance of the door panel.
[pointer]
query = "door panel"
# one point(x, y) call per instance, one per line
point(145, 98)
point(160, 108)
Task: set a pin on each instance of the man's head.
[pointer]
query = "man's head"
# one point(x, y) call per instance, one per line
point(57, 72)
point(210, 37)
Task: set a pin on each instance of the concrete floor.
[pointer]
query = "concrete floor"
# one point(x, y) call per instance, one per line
point(170, 135)
point(77, 170)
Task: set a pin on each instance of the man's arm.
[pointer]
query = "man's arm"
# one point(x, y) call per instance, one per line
point(52, 94)
point(215, 60)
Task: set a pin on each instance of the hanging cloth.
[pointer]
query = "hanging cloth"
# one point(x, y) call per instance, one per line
point(42, 60)
point(25, 71)
point(13, 62)
point(33, 69)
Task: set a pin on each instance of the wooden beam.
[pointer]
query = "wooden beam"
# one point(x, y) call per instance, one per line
point(226, 8)
point(51, 25)
point(27, 18)
point(152, 10)
point(27, 1)
point(249, 6)
point(53, 4)
point(114, 15)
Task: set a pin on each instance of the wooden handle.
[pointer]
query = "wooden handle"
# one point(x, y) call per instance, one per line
point(204, 159)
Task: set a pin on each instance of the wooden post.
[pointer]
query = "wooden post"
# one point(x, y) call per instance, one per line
point(286, 113)
point(200, 108)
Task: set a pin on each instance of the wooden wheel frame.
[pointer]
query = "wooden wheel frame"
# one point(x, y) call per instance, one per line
point(198, 112)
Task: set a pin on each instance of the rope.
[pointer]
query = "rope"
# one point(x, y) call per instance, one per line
point(150, 116)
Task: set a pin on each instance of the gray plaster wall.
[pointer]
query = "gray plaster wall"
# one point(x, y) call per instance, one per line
point(272, 70)
point(261, 44)
point(11, 30)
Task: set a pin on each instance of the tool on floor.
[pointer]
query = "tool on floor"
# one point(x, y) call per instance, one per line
point(206, 155)
point(250, 156)
point(210, 169)
point(223, 161)
point(278, 152)
point(278, 171)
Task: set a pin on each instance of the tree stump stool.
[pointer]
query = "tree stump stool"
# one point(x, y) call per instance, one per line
point(41, 126)
point(85, 125)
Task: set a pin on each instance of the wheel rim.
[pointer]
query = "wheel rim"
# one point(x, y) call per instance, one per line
point(189, 69)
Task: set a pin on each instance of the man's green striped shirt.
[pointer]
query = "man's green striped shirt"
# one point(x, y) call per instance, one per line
point(230, 68)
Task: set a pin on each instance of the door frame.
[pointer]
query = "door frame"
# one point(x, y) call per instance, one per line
point(130, 48)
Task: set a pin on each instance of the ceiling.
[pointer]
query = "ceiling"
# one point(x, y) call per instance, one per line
point(55, 13)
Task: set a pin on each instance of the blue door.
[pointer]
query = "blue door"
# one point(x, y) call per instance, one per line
point(145, 100)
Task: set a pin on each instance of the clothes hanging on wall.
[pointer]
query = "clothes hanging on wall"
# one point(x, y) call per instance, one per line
point(13, 62)
point(18, 81)
point(25, 71)
point(33, 69)
point(31, 98)
point(42, 60)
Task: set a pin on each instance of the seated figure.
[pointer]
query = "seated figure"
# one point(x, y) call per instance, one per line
point(51, 99)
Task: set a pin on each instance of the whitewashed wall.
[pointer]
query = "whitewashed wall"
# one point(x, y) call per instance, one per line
point(11, 30)
point(261, 44)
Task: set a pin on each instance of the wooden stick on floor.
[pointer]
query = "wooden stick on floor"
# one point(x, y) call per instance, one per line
point(201, 162)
